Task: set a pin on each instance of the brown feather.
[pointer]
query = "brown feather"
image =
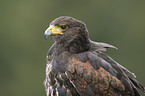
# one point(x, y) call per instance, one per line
point(100, 78)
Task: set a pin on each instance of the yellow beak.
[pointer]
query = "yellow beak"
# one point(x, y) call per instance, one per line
point(52, 30)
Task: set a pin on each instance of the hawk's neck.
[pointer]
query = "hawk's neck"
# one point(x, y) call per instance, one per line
point(75, 46)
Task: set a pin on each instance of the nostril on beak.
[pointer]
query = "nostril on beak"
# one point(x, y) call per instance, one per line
point(50, 29)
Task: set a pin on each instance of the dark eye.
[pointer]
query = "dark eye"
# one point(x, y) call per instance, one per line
point(64, 27)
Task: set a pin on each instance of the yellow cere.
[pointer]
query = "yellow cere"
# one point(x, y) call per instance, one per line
point(55, 30)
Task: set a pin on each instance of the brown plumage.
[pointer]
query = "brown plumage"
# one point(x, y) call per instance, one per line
point(76, 65)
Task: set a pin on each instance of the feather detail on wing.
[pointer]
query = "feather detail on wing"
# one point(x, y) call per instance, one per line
point(98, 46)
point(89, 81)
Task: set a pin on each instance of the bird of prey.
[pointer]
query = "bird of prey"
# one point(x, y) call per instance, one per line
point(76, 66)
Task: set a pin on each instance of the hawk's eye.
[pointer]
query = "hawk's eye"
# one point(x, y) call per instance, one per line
point(63, 27)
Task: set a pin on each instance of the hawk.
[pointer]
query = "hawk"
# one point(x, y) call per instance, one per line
point(76, 66)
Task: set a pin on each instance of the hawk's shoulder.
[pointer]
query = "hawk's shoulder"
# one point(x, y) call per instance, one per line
point(92, 75)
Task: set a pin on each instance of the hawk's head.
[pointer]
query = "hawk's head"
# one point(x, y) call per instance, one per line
point(70, 34)
point(66, 28)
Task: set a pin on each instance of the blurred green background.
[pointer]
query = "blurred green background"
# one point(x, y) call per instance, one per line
point(23, 49)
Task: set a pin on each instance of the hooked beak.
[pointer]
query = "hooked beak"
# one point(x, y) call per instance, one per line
point(52, 30)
